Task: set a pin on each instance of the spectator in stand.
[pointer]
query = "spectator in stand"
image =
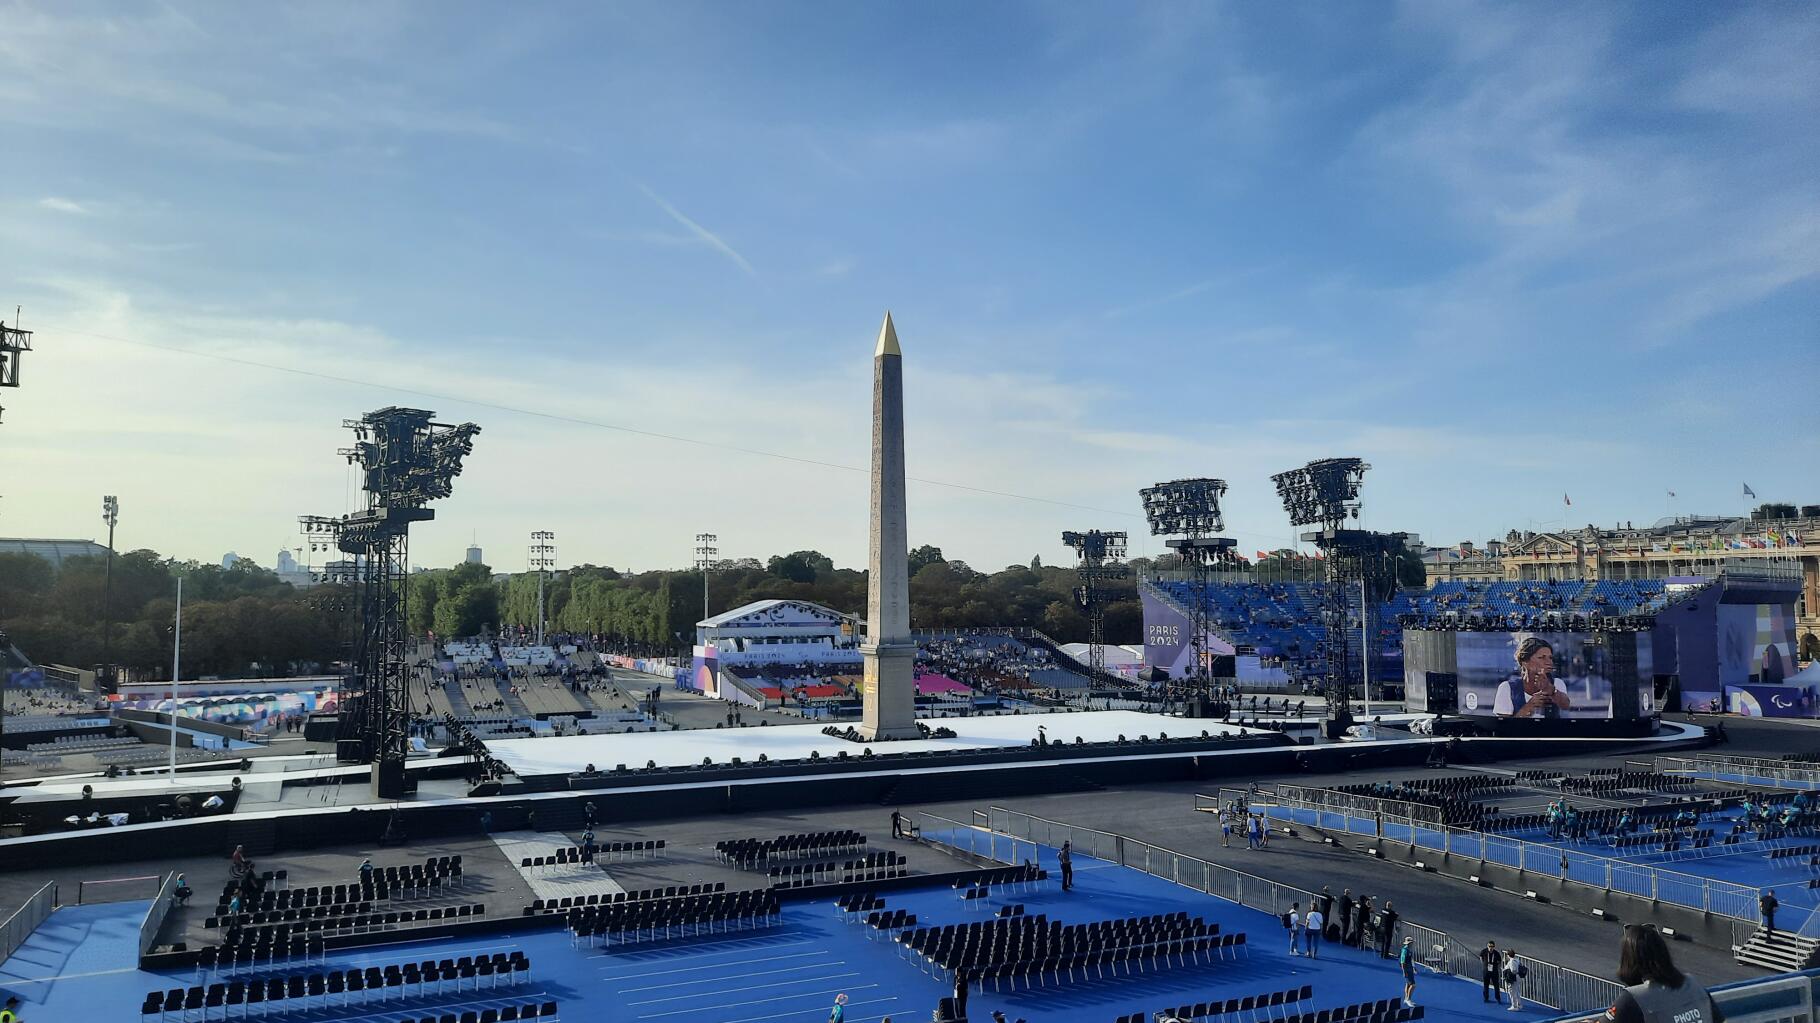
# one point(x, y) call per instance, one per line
point(1066, 858)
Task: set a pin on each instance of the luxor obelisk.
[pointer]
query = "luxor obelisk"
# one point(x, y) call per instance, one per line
point(889, 650)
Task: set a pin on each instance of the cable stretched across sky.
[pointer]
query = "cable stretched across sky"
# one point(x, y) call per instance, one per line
point(574, 420)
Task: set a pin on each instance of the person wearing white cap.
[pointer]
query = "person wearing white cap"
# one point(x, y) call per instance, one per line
point(839, 1014)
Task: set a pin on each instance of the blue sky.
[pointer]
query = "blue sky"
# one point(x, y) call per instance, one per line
point(1502, 252)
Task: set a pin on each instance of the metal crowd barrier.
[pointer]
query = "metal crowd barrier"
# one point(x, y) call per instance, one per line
point(155, 914)
point(26, 919)
point(1745, 770)
point(1722, 898)
point(1010, 836)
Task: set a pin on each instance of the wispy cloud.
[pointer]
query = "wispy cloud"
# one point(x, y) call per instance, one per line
point(707, 237)
point(62, 205)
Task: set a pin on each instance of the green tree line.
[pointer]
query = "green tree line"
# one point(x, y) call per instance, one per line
point(245, 621)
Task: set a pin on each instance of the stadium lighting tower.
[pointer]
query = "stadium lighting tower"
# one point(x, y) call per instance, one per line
point(406, 462)
point(13, 342)
point(1325, 494)
point(705, 550)
point(1189, 510)
point(543, 560)
point(110, 514)
point(1099, 556)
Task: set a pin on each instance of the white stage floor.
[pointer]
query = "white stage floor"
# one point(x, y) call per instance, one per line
point(570, 754)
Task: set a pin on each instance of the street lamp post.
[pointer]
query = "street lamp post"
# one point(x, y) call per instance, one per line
point(110, 514)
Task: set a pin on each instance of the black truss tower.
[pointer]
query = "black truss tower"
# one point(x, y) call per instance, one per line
point(1325, 493)
point(1099, 557)
point(406, 462)
point(1189, 510)
point(13, 344)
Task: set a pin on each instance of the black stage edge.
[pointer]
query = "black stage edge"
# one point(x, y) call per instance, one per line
point(776, 788)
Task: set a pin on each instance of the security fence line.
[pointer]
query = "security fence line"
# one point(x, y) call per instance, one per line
point(1010, 836)
point(1745, 770)
point(156, 912)
point(26, 919)
point(1721, 898)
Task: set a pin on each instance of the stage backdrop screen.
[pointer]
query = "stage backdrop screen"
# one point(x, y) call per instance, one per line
point(1562, 675)
point(1756, 643)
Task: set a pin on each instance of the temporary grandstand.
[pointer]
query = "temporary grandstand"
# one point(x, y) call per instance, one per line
point(1280, 621)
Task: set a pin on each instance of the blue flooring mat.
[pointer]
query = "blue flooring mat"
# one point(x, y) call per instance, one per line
point(72, 968)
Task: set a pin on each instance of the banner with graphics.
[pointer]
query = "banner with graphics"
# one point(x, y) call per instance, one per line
point(1167, 632)
point(1786, 701)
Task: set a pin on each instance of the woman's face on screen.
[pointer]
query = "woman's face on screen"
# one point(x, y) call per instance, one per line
point(1541, 665)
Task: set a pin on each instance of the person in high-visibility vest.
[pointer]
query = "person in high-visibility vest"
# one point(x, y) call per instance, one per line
point(10, 1014)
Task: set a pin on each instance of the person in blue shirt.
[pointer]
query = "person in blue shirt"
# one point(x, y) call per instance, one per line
point(1406, 959)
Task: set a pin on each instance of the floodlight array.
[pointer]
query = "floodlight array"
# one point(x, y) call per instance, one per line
point(1184, 507)
point(1323, 492)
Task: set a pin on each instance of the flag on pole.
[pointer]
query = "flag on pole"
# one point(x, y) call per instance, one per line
point(1748, 492)
point(1566, 501)
point(1262, 556)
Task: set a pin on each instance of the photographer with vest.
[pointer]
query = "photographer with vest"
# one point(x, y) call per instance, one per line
point(1655, 991)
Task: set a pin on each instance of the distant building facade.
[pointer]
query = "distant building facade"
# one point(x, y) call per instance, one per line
point(1678, 547)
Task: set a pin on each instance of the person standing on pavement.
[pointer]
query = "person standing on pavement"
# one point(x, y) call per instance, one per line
point(1491, 973)
point(1317, 922)
point(1515, 970)
point(1067, 861)
point(1225, 831)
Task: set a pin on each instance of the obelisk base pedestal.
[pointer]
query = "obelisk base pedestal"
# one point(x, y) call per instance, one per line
point(889, 709)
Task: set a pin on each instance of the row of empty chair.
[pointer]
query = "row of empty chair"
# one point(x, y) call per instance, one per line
point(642, 849)
point(1250, 1005)
point(870, 861)
point(563, 905)
point(277, 936)
point(1037, 945)
point(630, 922)
point(750, 853)
point(299, 992)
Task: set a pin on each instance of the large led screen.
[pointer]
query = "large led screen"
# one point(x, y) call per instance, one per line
point(1548, 675)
